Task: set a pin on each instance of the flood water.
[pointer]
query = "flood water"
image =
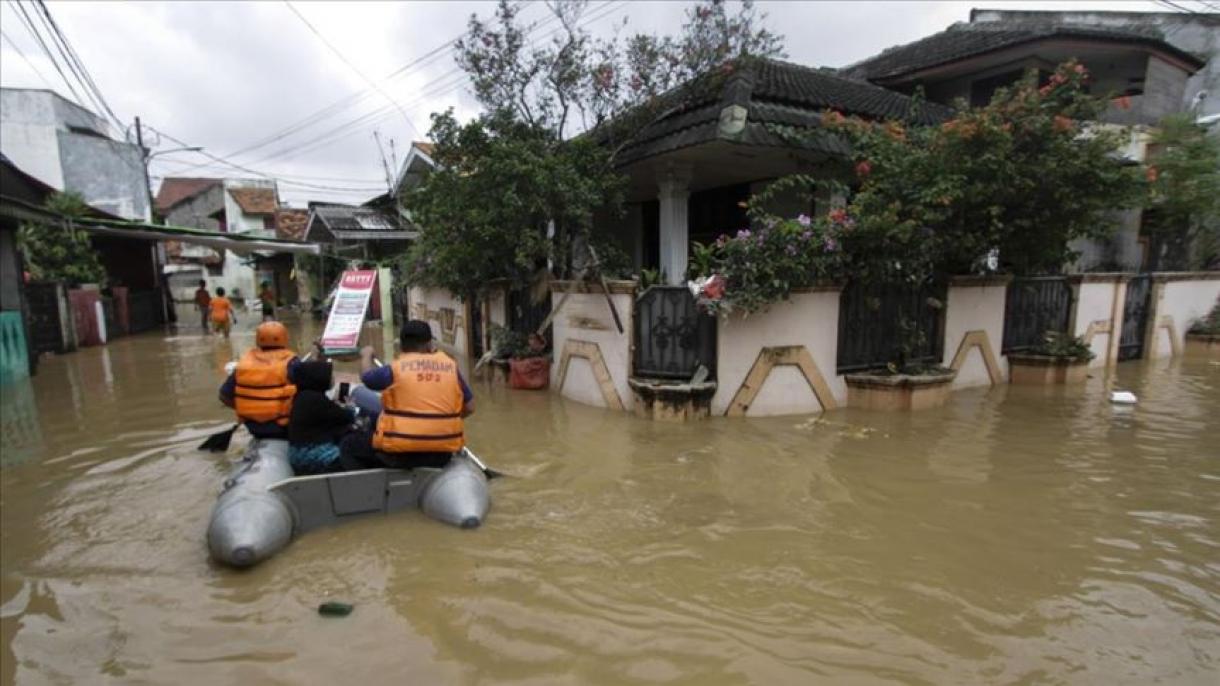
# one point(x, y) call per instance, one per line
point(1015, 536)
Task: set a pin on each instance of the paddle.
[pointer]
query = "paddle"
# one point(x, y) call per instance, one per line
point(219, 442)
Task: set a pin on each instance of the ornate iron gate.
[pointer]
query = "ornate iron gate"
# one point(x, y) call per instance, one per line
point(672, 337)
point(877, 319)
point(1135, 318)
point(1035, 305)
point(525, 315)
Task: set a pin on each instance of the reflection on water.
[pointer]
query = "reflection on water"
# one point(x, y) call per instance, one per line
point(1017, 535)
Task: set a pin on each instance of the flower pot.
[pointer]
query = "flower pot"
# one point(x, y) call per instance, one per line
point(1203, 345)
point(529, 373)
point(902, 392)
point(1042, 370)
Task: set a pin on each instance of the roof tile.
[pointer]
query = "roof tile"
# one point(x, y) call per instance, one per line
point(255, 200)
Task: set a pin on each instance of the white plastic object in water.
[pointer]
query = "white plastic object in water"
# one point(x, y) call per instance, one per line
point(1122, 397)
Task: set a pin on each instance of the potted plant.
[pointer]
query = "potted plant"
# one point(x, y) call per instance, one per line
point(904, 383)
point(1204, 334)
point(526, 357)
point(1059, 359)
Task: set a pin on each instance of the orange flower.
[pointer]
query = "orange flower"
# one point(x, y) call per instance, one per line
point(1123, 102)
point(1062, 123)
point(1152, 173)
point(863, 168)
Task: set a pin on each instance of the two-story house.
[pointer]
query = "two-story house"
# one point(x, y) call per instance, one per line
point(246, 206)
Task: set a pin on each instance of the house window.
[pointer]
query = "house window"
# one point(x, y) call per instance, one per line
point(983, 90)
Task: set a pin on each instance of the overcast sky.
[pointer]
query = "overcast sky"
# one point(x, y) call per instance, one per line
point(228, 75)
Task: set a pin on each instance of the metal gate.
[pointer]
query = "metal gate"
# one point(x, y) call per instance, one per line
point(877, 319)
point(1135, 318)
point(1034, 306)
point(525, 315)
point(672, 337)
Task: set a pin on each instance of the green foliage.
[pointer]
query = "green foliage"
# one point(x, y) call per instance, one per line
point(60, 252)
point(1183, 209)
point(484, 213)
point(1058, 344)
point(515, 344)
point(1209, 324)
point(1021, 176)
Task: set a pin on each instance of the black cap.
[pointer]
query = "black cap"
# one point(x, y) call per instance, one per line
point(415, 330)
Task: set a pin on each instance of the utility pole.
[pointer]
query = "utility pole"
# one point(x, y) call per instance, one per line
point(158, 251)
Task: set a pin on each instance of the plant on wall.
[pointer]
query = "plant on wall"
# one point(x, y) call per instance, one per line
point(61, 252)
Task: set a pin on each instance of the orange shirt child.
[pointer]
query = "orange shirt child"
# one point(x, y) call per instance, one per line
point(222, 309)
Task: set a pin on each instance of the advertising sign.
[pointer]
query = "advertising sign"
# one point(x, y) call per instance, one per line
point(347, 311)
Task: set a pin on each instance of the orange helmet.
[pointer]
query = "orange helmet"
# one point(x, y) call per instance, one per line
point(271, 335)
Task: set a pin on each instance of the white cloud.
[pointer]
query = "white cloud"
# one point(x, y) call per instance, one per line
point(224, 75)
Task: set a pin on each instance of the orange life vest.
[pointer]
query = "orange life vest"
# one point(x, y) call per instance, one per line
point(263, 392)
point(220, 308)
point(421, 411)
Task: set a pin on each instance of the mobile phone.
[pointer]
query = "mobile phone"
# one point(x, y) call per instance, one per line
point(344, 388)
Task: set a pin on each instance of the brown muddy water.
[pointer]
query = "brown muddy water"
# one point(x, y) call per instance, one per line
point(1014, 536)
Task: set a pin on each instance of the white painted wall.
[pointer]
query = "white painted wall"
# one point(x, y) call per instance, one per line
point(587, 317)
point(974, 308)
point(808, 319)
point(238, 221)
point(1184, 301)
point(1095, 304)
point(435, 300)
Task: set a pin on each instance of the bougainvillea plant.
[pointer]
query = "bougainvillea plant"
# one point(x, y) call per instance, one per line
point(1023, 175)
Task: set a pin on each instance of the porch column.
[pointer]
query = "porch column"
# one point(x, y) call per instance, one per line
point(674, 187)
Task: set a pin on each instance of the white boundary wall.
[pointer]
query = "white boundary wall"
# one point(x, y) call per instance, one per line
point(585, 318)
point(446, 314)
point(1098, 314)
point(1182, 298)
point(975, 304)
point(809, 319)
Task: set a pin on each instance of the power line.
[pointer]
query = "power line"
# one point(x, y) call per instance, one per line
point(343, 103)
point(20, 54)
point(29, 26)
point(79, 68)
point(255, 171)
point(371, 118)
point(348, 62)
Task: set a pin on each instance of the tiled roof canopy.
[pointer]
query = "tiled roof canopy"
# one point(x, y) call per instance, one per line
point(962, 40)
point(255, 200)
point(174, 190)
point(291, 224)
point(771, 92)
point(356, 223)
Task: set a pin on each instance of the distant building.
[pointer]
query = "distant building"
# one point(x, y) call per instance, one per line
point(246, 206)
point(70, 148)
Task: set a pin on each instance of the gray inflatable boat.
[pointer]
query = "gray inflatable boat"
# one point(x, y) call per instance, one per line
point(263, 506)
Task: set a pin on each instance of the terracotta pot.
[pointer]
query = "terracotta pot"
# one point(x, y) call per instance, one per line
point(530, 373)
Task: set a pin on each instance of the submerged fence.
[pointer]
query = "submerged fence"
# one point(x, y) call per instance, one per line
point(878, 320)
point(1035, 305)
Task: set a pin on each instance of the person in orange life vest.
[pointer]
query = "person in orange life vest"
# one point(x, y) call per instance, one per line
point(262, 386)
point(423, 402)
point(223, 316)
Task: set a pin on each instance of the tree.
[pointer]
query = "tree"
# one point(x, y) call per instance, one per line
point(1024, 175)
point(518, 185)
point(1183, 207)
point(61, 252)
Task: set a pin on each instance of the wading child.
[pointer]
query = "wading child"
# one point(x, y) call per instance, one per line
point(223, 317)
point(317, 424)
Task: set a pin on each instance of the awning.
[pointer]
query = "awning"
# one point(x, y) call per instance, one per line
point(238, 243)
